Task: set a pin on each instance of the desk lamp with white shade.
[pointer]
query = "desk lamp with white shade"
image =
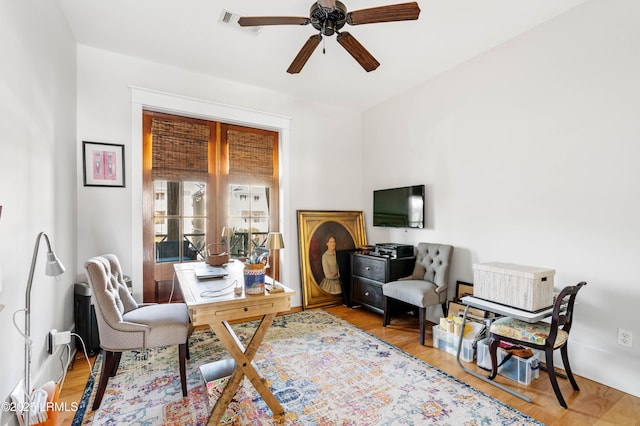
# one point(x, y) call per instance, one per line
point(227, 233)
point(274, 242)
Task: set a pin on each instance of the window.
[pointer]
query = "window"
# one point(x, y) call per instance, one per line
point(249, 217)
point(253, 187)
point(198, 177)
point(179, 217)
point(179, 174)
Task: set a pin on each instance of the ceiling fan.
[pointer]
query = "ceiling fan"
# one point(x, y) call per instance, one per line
point(328, 17)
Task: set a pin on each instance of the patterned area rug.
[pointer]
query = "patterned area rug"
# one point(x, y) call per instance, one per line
point(322, 369)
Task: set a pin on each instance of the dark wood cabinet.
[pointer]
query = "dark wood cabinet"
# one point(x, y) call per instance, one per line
point(369, 273)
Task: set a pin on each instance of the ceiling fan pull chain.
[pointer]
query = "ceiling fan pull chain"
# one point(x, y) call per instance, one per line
point(324, 39)
point(324, 44)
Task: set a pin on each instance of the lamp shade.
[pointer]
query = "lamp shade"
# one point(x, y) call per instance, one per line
point(54, 267)
point(227, 231)
point(274, 241)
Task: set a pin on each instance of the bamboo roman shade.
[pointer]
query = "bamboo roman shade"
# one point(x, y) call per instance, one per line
point(179, 150)
point(251, 157)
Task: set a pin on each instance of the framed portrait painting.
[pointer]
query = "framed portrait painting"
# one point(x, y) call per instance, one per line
point(103, 164)
point(321, 234)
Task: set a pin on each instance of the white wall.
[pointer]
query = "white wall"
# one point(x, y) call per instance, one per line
point(530, 155)
point(322, 152)
point(37, 181)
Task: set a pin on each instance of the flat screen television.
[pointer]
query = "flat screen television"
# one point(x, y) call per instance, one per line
point(399, 207)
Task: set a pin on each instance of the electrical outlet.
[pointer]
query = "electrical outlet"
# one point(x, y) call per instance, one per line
point(50, 341)
point(57, 338)
point(625, 338)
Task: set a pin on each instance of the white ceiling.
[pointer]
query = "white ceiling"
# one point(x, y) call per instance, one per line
point(188, 34)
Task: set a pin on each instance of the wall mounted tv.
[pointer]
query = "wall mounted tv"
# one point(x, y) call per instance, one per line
point(399, 207)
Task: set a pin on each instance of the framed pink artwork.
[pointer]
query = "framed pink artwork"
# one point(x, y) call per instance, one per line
point(103, 164)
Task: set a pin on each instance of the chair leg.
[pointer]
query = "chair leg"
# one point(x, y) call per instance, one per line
point(567, 367)
point(551, 371)
point(189, 332)
point(493, 353)
point(386, 314)
point(422, 316)
point(182, 350)
point(107, 368)
point(116, 362)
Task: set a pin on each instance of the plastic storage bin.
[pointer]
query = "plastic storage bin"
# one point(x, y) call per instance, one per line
point(448, 342)
point(521, 370)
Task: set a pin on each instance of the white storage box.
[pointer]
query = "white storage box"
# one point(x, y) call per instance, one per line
point(521, 370)
point(524, 287)
point(448, 342)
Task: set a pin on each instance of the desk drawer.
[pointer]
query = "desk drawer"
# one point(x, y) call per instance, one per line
point(245, 310)
point(367, 293)
point(369, 267)
point(207, 315)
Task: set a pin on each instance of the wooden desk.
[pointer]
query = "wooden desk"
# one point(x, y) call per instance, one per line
point(503, 310)
point(214, 303)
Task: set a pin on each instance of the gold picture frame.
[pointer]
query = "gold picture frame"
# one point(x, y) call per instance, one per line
point(314, 228)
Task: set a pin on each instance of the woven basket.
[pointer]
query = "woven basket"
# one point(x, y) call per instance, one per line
point(216, 255)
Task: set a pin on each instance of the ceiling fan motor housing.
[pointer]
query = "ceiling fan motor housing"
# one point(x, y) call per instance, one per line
point(328, 21)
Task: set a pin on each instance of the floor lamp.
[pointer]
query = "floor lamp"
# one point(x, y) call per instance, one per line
point(53, 268)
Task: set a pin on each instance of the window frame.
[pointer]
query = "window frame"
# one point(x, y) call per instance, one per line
point(217, 207)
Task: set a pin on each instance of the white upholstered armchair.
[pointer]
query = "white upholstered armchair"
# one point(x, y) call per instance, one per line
point(124, 325)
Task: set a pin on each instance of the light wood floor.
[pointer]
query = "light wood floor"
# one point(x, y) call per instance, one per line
point(595, 404)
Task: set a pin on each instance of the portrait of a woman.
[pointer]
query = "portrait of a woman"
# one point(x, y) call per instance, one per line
point(331, 281)
point(327, 239)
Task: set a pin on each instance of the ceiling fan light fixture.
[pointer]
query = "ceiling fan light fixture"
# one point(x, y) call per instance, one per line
point(329, 28)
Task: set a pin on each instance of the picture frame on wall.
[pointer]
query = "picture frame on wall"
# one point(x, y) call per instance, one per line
point(316, 228)
point(463, 289)
point(103, 164)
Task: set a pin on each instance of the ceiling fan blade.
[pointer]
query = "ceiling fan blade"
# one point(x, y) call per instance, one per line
point(304, 54)
point(359, 53)
point(257, 21)
point(393, 12)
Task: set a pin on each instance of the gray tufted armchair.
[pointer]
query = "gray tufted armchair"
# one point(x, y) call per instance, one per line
point(125, 325)
point(427, 286)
